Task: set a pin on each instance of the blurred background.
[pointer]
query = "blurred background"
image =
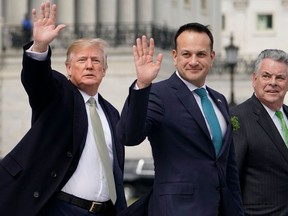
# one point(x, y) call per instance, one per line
point(241, 29)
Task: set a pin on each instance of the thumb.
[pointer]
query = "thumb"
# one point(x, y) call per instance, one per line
point(60, 27)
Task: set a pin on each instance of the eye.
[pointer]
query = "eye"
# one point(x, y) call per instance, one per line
point(81, 60)
point(266, 76)
point(95, 61)
point(281, 77)
point(185, 55)
point(201, 55)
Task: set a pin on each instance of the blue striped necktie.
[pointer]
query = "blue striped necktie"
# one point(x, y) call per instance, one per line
point(211, 118)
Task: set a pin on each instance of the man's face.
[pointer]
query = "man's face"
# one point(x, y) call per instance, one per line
point(87, 68)
point(270, 83)
point(193, 57)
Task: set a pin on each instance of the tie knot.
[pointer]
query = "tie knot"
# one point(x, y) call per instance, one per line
point(201, 92)
point(92, 101)
point(279, 114)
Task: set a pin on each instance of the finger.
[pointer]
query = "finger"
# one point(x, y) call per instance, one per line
point(159, 59)
point(151, 47)
point(135, 53)
point(34, 15)
point(59, 28)
point(42, 11)
point(47, 9)
point(139, 47)
point(53, 12)
point(144, 44)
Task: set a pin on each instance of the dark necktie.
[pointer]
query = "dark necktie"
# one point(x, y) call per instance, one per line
point(102, 148)
point(211, 118)
point(284, 129)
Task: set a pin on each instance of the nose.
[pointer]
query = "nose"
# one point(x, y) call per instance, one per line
point(194, 60)
point(89, 63)
point(273, 80)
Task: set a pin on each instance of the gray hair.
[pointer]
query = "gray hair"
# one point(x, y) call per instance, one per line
point(274, 54)
point(87, 42)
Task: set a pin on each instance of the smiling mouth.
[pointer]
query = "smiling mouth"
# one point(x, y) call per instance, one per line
point(272, 91)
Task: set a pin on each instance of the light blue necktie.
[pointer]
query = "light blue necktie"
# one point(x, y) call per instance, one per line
point(211, 118)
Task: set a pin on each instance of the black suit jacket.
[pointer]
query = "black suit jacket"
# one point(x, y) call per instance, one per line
point(189, 178)
point(46, 157)
point(262, 158)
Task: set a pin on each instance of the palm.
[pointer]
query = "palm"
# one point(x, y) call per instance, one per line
point(147, 70)
point(44, 32)
point(44, 28)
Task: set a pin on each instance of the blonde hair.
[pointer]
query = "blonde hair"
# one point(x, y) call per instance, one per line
point(84, 43)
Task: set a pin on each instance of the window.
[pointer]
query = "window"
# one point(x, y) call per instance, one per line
point(264, 22)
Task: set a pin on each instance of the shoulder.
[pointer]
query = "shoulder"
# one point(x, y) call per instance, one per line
point(246, 107)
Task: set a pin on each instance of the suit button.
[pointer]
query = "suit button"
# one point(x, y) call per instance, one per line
point(69, 154)
point(53, 174)
point(218, 188)
point(36, 194)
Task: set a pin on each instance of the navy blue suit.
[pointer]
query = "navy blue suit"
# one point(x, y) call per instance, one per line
point(43, 161)
point(189, 178)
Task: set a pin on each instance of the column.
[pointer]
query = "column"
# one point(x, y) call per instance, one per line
point(106, 20)
point(85, 17)
point(144, 11)
point(126, 22)
point(144, 17)
point(107, 11)
point(15, 11)
point(1, 49)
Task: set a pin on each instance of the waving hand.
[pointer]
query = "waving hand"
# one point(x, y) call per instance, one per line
point(146, 69)
point(44, 28)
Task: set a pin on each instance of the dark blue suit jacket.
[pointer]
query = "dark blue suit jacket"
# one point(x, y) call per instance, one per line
point(189, 178)
point(46, 157)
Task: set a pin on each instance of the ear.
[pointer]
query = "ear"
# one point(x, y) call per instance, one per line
point(174, 54)
point(212, 55)
point(68, 69)
point(254, 78)
point(104, 71)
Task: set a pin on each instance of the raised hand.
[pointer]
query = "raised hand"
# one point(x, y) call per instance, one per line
point(146, 69)
point(44, 29)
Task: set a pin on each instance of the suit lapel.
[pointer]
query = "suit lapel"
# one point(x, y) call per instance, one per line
point(80, 121)
point(269, 127)
point(187, 99)
point(111, 121)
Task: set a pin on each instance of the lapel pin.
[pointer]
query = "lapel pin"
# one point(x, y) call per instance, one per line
point(219, 100)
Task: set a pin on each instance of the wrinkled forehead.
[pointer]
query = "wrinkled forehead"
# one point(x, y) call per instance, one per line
point(87, 51)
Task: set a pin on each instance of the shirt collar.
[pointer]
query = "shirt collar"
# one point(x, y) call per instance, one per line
point(86, 97)
point(270, 111)
point(189, 85)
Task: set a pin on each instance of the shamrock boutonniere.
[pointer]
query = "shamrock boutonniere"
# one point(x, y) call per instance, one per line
point(235, 123)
